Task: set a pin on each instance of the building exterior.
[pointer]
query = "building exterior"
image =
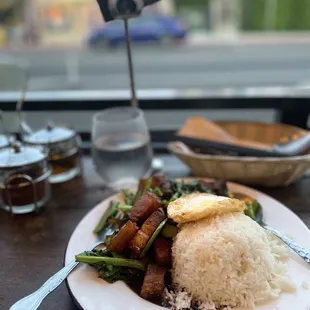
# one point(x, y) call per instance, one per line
point(11, 22)
point(225, 16)
point(66, 22)
point(166, 7)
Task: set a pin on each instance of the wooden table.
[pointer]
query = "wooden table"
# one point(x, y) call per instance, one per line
point(32, 246)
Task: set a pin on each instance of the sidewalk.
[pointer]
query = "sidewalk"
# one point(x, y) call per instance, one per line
point(245, 38)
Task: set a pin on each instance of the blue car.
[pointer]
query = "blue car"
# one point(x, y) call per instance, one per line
point(141, 29)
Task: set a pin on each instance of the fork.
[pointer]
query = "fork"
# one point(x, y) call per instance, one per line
point(33, 301)
point(298, 249)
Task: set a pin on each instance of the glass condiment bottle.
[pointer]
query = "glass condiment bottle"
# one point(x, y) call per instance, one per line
point(4, 141)
point(24, 173)
point(63, 146)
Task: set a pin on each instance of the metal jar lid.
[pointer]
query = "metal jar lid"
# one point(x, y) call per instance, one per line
point(50, 135)
point(19, 155)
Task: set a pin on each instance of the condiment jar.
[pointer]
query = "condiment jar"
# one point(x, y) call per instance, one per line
point(63, 146)
point(24, 173)
point(5, 141)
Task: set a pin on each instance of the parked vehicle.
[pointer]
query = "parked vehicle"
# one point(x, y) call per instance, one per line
point(142, 29)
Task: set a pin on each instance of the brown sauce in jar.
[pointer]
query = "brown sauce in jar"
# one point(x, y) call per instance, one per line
point(62, 164)
point(20, 191)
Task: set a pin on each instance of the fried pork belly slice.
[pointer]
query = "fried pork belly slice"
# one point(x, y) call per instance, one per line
point(121, 239)
point(144, 207)
point(162, 251)
point(153, 283)
point(139, 241)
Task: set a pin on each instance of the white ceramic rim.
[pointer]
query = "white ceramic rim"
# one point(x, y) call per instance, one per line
point(288, 222)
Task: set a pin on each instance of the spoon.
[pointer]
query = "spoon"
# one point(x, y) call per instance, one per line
point(200, 131)
point(298, 249)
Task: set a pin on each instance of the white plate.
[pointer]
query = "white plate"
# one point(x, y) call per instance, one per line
point(92, 293)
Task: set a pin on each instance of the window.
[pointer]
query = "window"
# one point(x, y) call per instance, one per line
point(207, 44)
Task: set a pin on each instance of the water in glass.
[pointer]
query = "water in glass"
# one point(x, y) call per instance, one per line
point(121, 156)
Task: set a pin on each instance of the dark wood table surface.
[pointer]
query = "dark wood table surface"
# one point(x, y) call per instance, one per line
point(32, 246)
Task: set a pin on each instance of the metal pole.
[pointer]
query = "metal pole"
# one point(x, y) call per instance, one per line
point(31, 30)
point(134, 101)
point(72, 68)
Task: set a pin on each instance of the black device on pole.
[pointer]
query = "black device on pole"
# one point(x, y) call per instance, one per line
point(125, 9)
point(120, 9)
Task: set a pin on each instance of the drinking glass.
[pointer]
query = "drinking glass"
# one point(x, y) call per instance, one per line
point(121, 146)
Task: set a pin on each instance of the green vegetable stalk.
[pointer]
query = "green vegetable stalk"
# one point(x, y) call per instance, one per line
point(124, 208)
point(129, 197)
point(249, 211)
point(253, 210)
point(182, 188)
point(169, 231)
point(173, 198)
point(139, 194)
point(158, 192)
point(151, 240)
point(111, 212)
point(120, 262)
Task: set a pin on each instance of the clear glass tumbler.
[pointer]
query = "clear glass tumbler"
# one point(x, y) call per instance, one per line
point(121, 146)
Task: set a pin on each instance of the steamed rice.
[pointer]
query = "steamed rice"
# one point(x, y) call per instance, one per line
point(227, 260)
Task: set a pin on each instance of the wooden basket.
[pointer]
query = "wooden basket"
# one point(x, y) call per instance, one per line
point(266, 171)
